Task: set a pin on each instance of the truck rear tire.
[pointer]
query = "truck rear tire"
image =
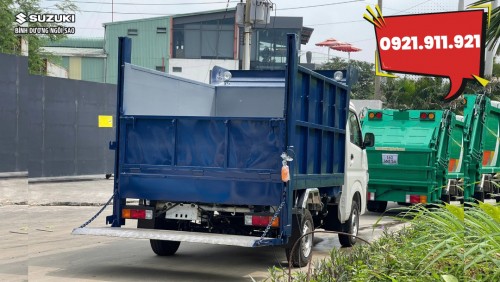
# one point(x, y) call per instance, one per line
point(376, 206)
point(446, 198)
point(479, 196)
point(351, 227)
point(302, 253)
point(164, 247)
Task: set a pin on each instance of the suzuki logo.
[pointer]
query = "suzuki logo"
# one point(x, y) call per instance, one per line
point(21, 18)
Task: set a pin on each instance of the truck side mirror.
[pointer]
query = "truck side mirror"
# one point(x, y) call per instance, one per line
point(369, 140)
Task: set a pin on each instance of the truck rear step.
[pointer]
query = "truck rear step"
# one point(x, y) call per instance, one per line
point(172, 235)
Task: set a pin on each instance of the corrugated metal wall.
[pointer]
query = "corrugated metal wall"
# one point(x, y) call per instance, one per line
point(85, 68)
point(93, 69)
point(49, 126)
point(146, 52)
point(13, 107)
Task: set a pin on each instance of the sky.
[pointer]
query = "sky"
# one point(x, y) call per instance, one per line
point(340, 19)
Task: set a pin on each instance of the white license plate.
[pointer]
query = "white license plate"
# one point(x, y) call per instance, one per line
point(390, 159)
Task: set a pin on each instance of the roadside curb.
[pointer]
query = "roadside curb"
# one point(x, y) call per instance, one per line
point(75, 178)
point(8, 175)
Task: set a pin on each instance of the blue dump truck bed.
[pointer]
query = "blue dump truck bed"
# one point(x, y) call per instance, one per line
point(202, 159)
point(217, 150)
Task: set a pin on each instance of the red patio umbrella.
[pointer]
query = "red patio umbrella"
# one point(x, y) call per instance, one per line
point(338, 45)
point(346, 47)
point(330, 42)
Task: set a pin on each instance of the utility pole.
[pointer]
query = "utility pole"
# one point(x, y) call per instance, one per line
point(378, 91)
point(490, 55)
point(461, 5)
point(248, 32)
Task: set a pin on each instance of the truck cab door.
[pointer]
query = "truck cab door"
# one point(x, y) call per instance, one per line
point(356, 174)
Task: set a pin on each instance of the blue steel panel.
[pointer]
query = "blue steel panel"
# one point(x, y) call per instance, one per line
point(200, 190)
point(316, 114)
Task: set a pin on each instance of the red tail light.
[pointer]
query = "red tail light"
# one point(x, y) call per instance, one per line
point(261, 220)
point(416, 199)
point(137, 214)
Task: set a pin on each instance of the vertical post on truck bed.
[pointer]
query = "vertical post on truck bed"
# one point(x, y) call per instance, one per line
point(124, 56)
point(290, 115)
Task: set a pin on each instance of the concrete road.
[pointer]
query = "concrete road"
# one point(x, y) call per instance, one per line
point(36, 243)
point(37, 246)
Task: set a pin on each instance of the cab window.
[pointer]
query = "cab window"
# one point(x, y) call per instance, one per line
point(355, 131)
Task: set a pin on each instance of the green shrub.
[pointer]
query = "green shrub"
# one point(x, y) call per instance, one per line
point(440, 244)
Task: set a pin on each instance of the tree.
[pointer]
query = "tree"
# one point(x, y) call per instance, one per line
point(410, 92)
point(9, 41)
point(496, 69)
point(364, 87)
point(493, 31)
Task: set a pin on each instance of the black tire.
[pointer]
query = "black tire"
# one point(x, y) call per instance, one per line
point(108, 176)
point(446, 198)
point(164, 247)
point(479, 196)
point(302, 252)
point(351, 226)
point(331, 221)
point(376, 206)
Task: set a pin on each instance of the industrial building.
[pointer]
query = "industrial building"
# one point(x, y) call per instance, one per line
point(186, 45)
point(83, 58)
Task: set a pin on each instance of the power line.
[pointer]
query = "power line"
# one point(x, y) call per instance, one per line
point(122, 13)
point(321, 5)
point(193, 3)
point(147, 4)
point(412, 7)
point(335, 23)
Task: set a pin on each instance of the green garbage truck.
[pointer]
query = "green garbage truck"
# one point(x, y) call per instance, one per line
point(406, 163)
point(488, 177)
point(410, 160)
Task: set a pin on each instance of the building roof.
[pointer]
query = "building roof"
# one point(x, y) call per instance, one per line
point(75, 52)
point(77, 42)
point(305, 34)
point(289, 22)
point(167, 17)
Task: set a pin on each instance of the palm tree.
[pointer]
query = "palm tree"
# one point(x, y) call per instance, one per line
point(493, 31)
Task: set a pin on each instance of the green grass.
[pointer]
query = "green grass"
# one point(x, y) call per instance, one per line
point(443, 244)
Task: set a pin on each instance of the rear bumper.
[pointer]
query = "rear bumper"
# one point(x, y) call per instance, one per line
point(182, 236)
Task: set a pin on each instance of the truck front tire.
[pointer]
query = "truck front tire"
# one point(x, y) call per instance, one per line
point(302, 252)
point(351, 227)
